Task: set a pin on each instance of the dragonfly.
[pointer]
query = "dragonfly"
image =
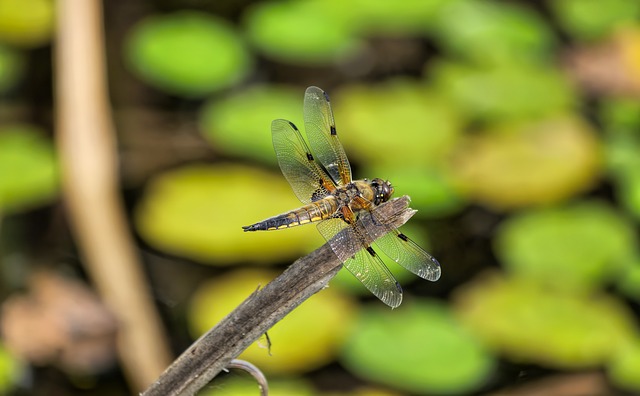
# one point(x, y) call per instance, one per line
point(345, 210)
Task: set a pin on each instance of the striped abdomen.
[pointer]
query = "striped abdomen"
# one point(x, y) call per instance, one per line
point(315, 211)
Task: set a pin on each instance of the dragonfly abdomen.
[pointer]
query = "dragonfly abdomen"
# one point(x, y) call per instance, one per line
point(315, 211)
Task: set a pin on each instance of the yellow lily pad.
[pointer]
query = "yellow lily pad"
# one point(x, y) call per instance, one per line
point(397, 122)
point(198, 211)
point(532, 324)
point(306, 339)
point(11, 371)
point(26, 23)
point(578, 247)
point(529, 164)
point(241, 384)
point(624, 368)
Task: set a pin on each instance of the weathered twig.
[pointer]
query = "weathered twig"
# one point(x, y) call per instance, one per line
point(88, 158)
point(214, 350)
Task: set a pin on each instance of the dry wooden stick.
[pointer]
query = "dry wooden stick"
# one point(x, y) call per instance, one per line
point(214, 350)
point(88, 158)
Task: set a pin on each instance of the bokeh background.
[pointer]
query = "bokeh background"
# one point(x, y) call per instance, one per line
point(513, 125)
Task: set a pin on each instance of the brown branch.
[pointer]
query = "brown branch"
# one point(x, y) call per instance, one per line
point(206, 357)
point(88, 158)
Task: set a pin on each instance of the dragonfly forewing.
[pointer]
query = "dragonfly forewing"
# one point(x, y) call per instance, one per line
point(323, 138)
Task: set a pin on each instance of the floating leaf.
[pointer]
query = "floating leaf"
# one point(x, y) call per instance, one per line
point(620, 116)
point(300, 32)
point(628, 190)
point(28, 168)
point(505, 90)
point(198, 211)
point(395, 121)
point(241, 124)
point(384, 18)
point(533, 324)
point(306, 339)
point(10, 371)
point(529, 164)
point(622, 148)
point(594, 19)
point(26, 23)
point(433, 191)
point(239, 384)
point(624, 368)
point(187, 53)
point(629, 282)
point(493, 32)
point(419, 348)
point(577, 247)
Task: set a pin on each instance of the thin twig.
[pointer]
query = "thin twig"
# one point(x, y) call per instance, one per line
point(253, 371)
point(212, 352)
point(88, 158)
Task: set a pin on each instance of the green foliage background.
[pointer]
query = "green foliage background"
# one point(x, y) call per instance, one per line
point(523, 163)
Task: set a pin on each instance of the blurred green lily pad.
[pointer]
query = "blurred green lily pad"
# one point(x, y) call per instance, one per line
point(528, 163)
point(385, 18)
point(620, 116)
point(197, 211)
point(623, 162)
point(579, 247)
point(10, 371)
point(11, 68)
point(300, 32)
point(395, 122)
point(594, 19)
point(504, 91)
point(493, 32)
point(420, 348)
point(629, 281)
point(553, 328)
point(306, 339)
point(433, 190)
point(26, 23)
point(28, 168)
point(624, 368)
point(241, 384)
point(187, 53)
point(241, 123)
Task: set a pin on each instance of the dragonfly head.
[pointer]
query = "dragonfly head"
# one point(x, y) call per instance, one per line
point(383, 191)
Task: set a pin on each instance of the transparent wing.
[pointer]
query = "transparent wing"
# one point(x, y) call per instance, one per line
point(308, 180)
point(365, 265)
point(408, 254)
point(321, 132)
point(396, 245)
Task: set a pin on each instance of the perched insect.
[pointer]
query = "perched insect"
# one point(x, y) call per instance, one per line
point(321, 179)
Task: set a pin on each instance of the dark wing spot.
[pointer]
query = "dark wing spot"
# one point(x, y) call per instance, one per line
point(371, 251)
point(293, 125)
point(326, 96)
point(398, 287)
point(309, 157)
point(403, 237)
point(333, 130)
